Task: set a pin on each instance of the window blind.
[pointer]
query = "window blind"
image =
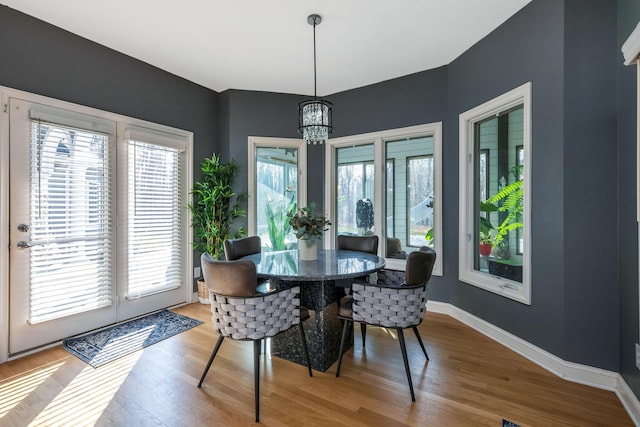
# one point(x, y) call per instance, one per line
point(155, 210)
point(71, 228)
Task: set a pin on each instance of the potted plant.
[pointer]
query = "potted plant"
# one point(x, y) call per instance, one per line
point(215, 207)
point(486, 238)
point(486, 243)
point(509, 200)
point(309, 227)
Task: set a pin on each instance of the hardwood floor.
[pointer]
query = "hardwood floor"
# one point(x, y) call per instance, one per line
point(469, 381)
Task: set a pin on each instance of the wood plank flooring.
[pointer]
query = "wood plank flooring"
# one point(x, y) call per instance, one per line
point(469, 381)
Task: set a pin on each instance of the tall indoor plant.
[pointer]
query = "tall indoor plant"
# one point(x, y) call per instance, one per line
point(216, 206)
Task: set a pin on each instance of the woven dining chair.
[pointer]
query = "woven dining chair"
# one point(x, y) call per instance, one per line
point(391, 305)
point(239, 313)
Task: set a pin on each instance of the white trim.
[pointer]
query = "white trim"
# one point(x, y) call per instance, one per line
point(508, 288)
point(628, 400)
point(377, 139)
point(570, 371)
point(259, 141)
point(631, 47)
point(4, 225)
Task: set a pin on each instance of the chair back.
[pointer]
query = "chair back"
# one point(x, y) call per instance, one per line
point(232, 278)
point(397, 305)
point(389, 306)
point(237, 248)
point(358, 243)
point(420, 266)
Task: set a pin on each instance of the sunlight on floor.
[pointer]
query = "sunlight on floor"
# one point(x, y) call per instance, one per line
point(14, 391)
point(85, 398)
point(128, 343)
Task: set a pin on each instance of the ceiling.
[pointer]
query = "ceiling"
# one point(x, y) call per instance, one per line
point(268, 45)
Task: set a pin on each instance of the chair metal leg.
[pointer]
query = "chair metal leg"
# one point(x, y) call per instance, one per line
point(345, 328)
point(363, 331)
point(213, 355)
point(304, 347)
point(403, 347)
point(256, 375)
point(424, 350)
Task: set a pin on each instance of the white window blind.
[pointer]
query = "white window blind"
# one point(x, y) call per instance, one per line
point(70, 220)
point(155, 208)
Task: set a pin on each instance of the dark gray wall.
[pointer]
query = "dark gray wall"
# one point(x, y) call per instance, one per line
point(43, 59)
point(267, 114)
point(628, 17)
point(46, 60)
point(526, 48)
point(590, 177)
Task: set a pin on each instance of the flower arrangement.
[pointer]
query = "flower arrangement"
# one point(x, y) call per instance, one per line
point(308, 225)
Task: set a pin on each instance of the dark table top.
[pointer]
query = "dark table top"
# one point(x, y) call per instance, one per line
point(330, 265)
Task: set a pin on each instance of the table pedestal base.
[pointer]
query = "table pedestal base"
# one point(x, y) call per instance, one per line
point(323, 329)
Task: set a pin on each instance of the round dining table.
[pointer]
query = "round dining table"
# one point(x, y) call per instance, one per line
point(318, 292)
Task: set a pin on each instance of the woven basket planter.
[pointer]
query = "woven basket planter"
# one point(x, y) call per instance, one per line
point(203, 292)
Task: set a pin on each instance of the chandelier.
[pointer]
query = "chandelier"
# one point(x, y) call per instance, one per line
point(314, 115)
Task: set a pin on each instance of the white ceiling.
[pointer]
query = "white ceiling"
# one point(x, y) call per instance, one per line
point(268, 45)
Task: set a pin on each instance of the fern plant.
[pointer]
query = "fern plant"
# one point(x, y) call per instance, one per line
point(510, 200)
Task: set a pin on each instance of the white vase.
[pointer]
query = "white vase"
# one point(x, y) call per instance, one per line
point(307, 250)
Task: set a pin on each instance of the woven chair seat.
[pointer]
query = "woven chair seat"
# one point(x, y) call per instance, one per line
point(256, 317)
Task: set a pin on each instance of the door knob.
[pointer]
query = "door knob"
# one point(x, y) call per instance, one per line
point(23, 227)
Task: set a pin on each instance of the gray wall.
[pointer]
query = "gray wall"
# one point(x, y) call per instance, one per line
point(590, 175)
point(628, 17)
point(528, 47)
point(46, 60)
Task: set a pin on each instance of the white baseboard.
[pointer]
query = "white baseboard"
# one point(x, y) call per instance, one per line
point(628, 400)
point(570, 371)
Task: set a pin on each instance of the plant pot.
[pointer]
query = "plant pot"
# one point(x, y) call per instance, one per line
point(505, 268)
point(485, 249)
point(203, 292)
point(307, 250)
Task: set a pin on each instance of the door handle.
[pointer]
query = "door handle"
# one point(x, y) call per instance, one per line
point(22, 245)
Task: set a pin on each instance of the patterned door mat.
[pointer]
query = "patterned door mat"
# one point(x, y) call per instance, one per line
point(103, 346)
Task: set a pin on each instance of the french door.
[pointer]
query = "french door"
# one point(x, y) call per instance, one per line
point(73, 267)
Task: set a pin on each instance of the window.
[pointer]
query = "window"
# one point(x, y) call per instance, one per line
point(494, 195)
point(387, 183)
point(155, 207)
point(355, 191)
point(276, 187)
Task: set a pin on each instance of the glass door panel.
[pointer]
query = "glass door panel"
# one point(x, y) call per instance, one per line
point(276, 195)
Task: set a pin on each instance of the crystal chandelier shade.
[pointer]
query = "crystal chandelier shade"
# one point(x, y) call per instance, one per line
point(315, 115)
point(314, 120)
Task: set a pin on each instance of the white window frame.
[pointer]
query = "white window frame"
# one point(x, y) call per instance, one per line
point(258, 141)
point(378, 139)
point(508, 288)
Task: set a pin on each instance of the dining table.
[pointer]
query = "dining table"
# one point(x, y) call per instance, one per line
point(318, 293)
